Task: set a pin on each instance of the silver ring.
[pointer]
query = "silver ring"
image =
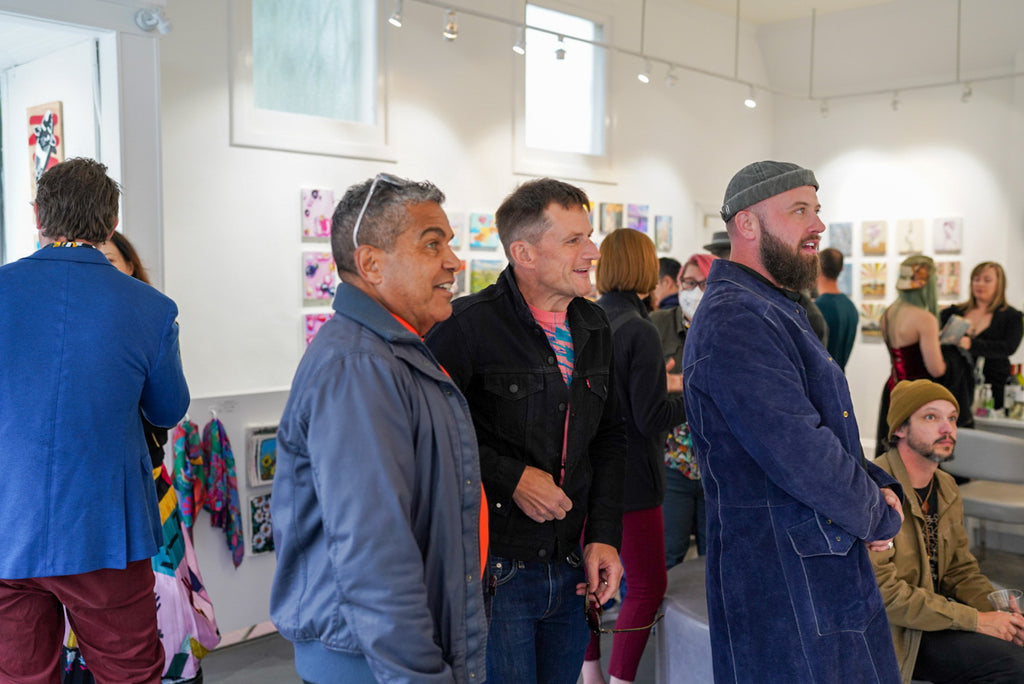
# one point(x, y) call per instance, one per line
point(890, 543)
point(604, 582)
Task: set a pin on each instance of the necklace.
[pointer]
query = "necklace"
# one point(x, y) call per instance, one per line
point(923, 501)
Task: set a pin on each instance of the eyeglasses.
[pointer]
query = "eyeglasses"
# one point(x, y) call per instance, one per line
point(594, 611)
point(393, 181)
point(690, 283)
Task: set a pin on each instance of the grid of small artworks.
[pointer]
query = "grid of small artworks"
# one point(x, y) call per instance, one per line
point(873, 249)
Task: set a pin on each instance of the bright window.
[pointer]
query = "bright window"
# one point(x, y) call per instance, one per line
point(564, 104)
point(315, 57)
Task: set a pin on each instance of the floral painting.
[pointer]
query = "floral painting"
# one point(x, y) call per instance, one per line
point(319, 277)
point(483, 233)
point(317, 208)
point(262, 446)
point(262, 527)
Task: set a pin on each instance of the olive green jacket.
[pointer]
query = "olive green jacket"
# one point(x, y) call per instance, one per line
point(912, 603)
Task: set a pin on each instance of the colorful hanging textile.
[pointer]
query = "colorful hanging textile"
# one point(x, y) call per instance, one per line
point(222, 487)
point(189, 474)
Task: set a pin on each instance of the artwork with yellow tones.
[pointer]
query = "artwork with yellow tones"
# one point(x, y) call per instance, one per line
point(871, 319)
point(873, 237)
point(947, 276)
point(483, 232)
point(872, 279)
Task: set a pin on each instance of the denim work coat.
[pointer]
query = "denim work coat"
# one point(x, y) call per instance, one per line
point(790, 500)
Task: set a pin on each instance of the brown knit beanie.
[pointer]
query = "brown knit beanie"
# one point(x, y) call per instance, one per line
point(909, 395)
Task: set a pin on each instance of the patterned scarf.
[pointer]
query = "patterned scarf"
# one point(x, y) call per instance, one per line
point(189, 477)
point(222, 492)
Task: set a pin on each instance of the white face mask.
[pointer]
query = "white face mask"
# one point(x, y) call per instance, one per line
point(688, 301)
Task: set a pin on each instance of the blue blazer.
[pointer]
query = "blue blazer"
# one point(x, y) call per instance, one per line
point(83, 348)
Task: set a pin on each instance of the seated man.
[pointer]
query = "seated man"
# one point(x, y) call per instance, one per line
point(934, 592)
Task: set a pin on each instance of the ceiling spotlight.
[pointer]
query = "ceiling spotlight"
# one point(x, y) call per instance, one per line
point(152, 20)
point(965, 96)
point(520, 47)
point(895, 104)
point(396, 17)
point(750, 102)
point(670, 77)
point(645, 75)
point(824, 109)
point(560, 51)
point(451, 27)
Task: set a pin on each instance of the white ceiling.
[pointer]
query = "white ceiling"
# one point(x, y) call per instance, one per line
point(771, 11)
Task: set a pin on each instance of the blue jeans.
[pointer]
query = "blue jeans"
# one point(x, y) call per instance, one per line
point(684, 512)
point(538, 630)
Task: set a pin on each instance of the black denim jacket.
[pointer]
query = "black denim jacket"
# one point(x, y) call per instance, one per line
point(501, 360)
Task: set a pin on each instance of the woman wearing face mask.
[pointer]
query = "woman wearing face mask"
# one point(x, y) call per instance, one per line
point(684, 496)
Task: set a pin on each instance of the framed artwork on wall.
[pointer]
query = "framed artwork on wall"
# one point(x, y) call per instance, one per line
point(840, 236)
point(262, 525)
point(845, 280)
point(262, 446)
point(910, 236)
point(314, 322)
point(873, 237)
point(317, 209)
point(663, 233)
point(947, 275)
point(483, 233)
point(319, 277)
point(45, 138)
point(484, 272)
point(870, 320)
point(457, 220)
point(872, 279)
point(949, 235)
point(636, 216)
point(611, 217)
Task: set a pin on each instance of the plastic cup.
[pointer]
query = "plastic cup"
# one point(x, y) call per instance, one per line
point(1007, 600)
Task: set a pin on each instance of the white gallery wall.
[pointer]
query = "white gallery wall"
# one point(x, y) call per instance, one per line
point(934, 157)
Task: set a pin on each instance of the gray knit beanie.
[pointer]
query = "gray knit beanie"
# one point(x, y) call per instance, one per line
point(761, 180)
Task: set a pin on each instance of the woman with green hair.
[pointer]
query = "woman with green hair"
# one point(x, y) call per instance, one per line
point(910, 328)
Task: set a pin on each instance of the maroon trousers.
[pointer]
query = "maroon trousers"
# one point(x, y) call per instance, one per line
point(113, 614)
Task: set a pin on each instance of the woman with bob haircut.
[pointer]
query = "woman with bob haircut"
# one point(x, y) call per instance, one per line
point(627, 271)
point(996, 327)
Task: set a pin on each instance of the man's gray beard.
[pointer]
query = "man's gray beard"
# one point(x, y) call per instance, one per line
point(789, 268)
point(935, 458)
point(928, 451)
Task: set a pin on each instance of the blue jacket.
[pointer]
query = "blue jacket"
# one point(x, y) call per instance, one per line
point(501, 359)
point(376, 507)
point(82, 348)
point(790, 500)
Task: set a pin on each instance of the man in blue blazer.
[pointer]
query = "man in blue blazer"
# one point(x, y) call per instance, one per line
point(83, 349)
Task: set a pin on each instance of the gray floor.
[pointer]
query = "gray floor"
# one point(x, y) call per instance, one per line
point(268, 659)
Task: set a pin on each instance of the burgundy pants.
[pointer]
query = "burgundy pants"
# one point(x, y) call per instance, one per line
point(643, 558)
point(113, 614)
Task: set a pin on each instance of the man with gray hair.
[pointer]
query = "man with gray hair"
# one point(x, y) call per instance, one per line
point(377, 495)
point(791, 505)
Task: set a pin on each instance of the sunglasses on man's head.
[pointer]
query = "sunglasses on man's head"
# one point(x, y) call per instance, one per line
point(393, 181)
point(594, 611)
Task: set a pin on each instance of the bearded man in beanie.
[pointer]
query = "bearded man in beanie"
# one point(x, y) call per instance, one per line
point(943, 626)
point(792, 506)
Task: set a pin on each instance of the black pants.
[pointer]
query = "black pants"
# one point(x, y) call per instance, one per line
point(951, 657)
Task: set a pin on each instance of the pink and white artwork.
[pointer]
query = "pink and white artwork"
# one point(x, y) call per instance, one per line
point(319, 277)
point(636, 216)
point(317, 208)
point(313, 324)
point(910, 236)
point(949, 235)
point(874, 236)
point(947, 276)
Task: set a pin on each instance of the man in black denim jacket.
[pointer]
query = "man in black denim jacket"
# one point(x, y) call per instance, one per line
point(534, 359)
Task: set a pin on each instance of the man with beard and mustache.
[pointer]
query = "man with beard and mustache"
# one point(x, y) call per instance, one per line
point(935, 595)
point(792, 507)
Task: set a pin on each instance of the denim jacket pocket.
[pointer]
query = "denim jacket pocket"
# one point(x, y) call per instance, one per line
point(508, 399)
point(817, 537)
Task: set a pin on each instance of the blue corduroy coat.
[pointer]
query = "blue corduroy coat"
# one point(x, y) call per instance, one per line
point(790, 500)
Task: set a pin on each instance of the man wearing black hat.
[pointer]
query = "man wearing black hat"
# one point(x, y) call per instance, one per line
point(792, 507)
point(942, 622)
